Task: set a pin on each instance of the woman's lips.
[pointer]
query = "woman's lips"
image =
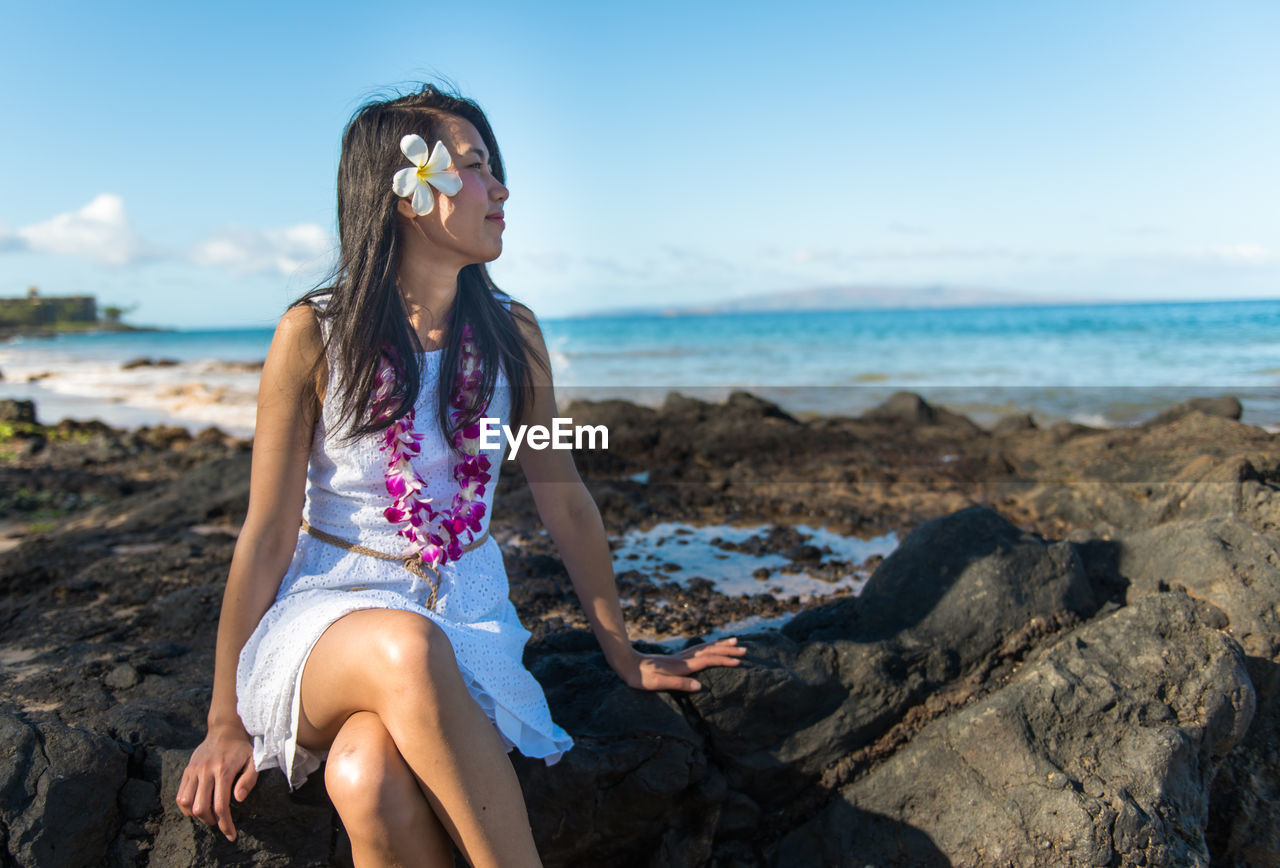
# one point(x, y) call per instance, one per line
point(497, 218)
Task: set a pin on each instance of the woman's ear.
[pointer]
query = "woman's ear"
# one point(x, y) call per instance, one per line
point(404, 208)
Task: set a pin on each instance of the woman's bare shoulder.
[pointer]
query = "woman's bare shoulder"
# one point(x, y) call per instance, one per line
point(526, 321)
point(297, 347)
point(300, 325)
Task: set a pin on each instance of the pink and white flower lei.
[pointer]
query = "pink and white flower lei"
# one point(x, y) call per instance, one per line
point(435, 535)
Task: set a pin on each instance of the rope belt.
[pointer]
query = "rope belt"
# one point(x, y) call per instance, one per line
point(412, 563)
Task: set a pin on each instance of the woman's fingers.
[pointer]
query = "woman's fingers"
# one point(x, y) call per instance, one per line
point(666, 673)
point(670, 672)
point(222, 802)
point(725, 652)
point(210, 781)
point(185, 789)
point(663, 681)
point(720, 646)
point(706, 661)
point(248, 777)
point(202, 802)
point(689, 665)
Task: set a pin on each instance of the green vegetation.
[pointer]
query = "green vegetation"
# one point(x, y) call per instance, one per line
point(40, 510)
point(52, 433)
point(41, 525)
point(19, 437)
point(35, 313)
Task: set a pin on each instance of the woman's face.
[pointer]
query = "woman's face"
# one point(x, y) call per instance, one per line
point(463, 228)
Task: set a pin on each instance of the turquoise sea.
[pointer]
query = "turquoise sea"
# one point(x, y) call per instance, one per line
point(1100, 364)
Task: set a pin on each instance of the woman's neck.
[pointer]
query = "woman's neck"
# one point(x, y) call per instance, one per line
point(427, 278)
point(428, 292)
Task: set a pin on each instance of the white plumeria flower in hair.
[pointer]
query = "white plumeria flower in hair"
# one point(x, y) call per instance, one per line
point(426, 172)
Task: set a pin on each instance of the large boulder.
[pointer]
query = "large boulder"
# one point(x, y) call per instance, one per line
point(638, 784)
point(59, 792)
point(956, 596)
point(1229, 563)
point(1100, 752)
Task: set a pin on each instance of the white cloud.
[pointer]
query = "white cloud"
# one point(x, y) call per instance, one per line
point(255, 251)
point(99, 231)
point(1234, 254)
point(9, 240)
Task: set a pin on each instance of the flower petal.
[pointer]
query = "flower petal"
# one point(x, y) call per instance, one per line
point(440, 159)
point(415, 148)
point(405, 181)
point(423, 200)
point(446, 182)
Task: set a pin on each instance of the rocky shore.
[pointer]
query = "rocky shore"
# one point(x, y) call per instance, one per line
point(1071, 658)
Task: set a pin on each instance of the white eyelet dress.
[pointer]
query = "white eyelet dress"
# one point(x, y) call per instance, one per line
point(346, 495)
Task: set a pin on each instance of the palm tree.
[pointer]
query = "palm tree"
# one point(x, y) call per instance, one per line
point(113, 312)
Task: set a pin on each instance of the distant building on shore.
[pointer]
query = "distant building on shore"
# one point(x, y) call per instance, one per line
point(35, 309)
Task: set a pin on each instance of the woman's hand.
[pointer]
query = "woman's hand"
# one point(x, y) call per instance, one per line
point(206, 787)
point(671, 671)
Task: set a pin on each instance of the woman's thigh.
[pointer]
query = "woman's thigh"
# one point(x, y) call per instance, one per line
point(354, 662)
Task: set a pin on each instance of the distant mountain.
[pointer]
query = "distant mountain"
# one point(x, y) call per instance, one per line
point(848, 298)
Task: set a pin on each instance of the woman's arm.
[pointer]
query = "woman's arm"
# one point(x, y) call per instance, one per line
point(287, 406)
point(573, 520)
point(288, 402)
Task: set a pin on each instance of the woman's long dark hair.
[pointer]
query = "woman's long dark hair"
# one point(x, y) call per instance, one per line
point(363, 308)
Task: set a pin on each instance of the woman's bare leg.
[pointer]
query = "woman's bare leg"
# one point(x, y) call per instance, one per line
point(400, 666)
point(382, 808)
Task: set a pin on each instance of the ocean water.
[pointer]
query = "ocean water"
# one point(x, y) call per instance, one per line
point(1100, 364)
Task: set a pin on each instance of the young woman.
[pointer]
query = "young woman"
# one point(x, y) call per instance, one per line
point(380, 635)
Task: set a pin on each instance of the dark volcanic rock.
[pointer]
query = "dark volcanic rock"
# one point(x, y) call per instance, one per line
point(274, 827)
point(1014, 423)
point(1236, 568)
point(1223, 560)
point(637, 788)
point(17, 411)
point(112, 598)
point(1227, 406)
point(910, 408)
point(213, 490)
point(1197, 466)
point(942, 606)
point(1100, 752)
point(945, 582)
point(58, 792)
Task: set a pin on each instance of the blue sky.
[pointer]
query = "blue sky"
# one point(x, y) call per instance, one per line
point(181, 157)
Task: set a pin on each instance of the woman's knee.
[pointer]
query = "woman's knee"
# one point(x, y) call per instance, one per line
point(368, 781)
point(372, 660)
point(414, 645)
